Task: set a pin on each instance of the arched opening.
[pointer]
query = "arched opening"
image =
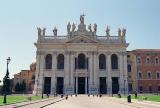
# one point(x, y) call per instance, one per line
point(102, 61)
point(129, 68)
point(48, 61)
point(60, 61)
point(114, 61)
point(81, 61)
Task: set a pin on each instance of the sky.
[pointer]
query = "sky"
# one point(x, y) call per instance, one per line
point(19, 20)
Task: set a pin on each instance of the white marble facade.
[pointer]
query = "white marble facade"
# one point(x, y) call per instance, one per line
point(80, 43)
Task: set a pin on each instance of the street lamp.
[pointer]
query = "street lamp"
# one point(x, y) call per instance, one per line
point(124, 86)
point(6, 81)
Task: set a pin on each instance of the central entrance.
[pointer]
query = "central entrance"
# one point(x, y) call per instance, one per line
point(81, 85)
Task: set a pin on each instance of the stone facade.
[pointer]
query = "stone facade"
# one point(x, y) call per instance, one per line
point(81, 61)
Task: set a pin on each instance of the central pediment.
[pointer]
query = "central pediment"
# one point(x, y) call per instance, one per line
point(82, 39)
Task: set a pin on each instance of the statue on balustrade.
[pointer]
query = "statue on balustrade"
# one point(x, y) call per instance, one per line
point(39, 31)
point(90, 28)
point(82, 19)
point(73, 27)
point(68, 27)
point(119, 32)
point(95, 27)
point(44, 30)
point(55, 31)
point(108, 31)
point(123, 32)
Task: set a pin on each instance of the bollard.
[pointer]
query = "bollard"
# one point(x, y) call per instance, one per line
point(135, 95)
point(129, 98)
point(61, 96)
point(66, 97)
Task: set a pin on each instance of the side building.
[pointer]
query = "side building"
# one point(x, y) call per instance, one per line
point(26, 77)
point(146, 70)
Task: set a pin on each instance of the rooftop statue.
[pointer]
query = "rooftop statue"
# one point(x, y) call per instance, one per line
point(73, 27)
point(119, 32)
point(82, 19)
point(90, 28)
point(123, 32)
point(55, 31)
point(68, 27)
point(44, 30)
point(107, 31)
point(39, 31)
point(95, 27)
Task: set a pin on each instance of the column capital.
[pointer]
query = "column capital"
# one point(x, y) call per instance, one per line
point(122, 53)
point(40, 52)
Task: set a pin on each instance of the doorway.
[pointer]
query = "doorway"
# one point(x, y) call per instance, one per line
point(103, 86)
point(115, 85)
point(47, 85)
point(81, 85)
point(60, 85)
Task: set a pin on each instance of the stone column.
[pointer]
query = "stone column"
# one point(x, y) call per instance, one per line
point(66, 70)
point(109, 74)
point(121, 74)
point(90, 76)
point(86, 85)
point(40, 74)
point(72, 72)
point(76, 85)
point(53, 79)
point(125, 76)
point(36, 90)
point(95, 72)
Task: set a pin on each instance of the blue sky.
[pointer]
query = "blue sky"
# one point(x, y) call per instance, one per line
point(19, 19)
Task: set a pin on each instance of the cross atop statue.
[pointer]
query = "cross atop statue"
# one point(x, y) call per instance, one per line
point(82, 19)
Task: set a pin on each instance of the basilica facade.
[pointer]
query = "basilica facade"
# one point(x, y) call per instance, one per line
point(81, 62)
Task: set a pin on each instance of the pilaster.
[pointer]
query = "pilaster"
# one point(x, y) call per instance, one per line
point(109, 75)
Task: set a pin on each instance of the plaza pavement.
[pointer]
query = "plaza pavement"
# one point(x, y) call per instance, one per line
point(83, 101)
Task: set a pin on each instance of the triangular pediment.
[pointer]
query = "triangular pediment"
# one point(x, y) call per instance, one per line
point(82, 39)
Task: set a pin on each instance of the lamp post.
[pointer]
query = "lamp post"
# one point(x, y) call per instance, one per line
point(6, 81)
point(124, 86)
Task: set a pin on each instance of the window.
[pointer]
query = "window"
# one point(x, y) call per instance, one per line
point(158, 75)
point(158, 88)
point(81, 61)
point(130, 87)
point(149, 75)
point(60, 61)
point(147, 60)
point(138, 60)
point(140, 89)
point(114, 61)
point(150, 89)
point(139, 75)
point(102, 61)
point(156, 61)
point(48, 62)
point(129, 68)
